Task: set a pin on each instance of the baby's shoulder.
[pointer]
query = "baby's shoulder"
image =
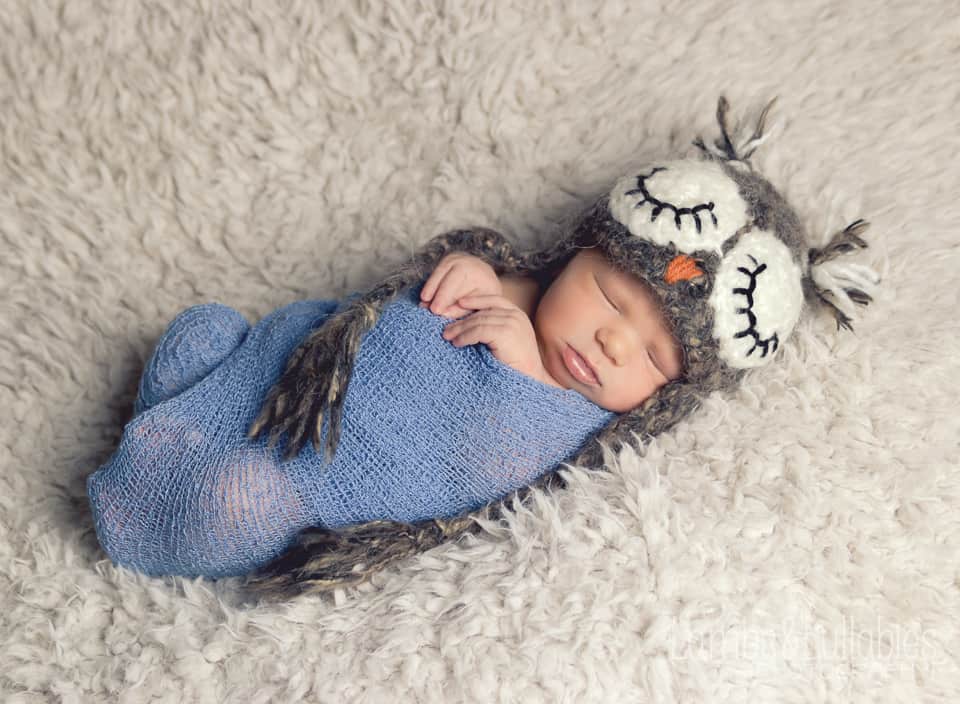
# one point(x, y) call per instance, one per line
point(521, 290)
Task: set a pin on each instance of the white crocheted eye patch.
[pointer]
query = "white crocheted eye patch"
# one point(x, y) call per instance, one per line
point(756, 299)
point(690, 203)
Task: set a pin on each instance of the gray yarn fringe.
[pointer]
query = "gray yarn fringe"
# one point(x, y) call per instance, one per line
point(846, 241)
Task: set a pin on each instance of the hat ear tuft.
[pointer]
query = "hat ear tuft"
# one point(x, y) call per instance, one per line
point(726, 147)
point(837, 286)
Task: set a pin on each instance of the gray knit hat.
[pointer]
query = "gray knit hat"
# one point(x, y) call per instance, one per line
point(723, 250)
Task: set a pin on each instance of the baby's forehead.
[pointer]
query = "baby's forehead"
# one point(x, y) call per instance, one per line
point(598, 260)
point(637, 283)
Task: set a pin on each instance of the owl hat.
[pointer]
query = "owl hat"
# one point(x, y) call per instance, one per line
point(722, 249)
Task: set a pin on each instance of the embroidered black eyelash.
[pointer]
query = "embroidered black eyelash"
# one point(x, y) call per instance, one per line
point(772, 341)
point(659, 205)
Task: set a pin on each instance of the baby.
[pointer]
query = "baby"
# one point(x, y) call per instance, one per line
point(596, 329)
point(439, 417)
point(687, 274)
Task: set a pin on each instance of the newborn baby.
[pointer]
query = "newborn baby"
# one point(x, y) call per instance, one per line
point(597, 330)
point(683, 277)
point(440, 416)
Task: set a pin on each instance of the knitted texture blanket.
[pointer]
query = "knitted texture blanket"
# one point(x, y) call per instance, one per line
point(428, 430)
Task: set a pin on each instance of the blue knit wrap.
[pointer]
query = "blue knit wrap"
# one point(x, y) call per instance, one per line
point(428, 430)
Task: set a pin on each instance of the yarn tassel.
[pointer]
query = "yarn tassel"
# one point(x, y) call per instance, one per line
point(326, 559)
point(729, 147)
point(839, 286)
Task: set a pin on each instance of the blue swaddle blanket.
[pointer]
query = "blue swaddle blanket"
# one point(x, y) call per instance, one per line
point(428, 430)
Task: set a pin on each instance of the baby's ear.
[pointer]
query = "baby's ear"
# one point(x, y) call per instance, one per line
point(835, 285)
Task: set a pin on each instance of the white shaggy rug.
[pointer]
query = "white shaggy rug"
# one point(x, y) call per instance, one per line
point(796, 542)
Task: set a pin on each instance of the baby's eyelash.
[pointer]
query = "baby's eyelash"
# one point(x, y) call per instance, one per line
point(604, 293)
point(653, 361)
point(611, 302)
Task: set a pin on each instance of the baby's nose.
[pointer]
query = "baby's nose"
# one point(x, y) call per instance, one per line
point(613, 346)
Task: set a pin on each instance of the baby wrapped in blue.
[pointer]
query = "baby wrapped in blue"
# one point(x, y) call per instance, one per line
point(429, 430)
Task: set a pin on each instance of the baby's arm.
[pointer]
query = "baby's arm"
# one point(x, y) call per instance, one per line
point(507, 330)
point(503, 309)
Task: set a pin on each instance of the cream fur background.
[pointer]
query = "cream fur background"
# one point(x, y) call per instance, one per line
point(797, 542)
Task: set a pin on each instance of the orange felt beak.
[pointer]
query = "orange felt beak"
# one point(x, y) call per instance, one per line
point(681, 268)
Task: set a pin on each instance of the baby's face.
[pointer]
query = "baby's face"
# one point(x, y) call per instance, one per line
point(612, 320)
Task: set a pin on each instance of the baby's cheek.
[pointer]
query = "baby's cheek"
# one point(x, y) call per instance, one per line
point(627, 392)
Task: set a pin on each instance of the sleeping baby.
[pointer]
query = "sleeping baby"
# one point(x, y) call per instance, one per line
point(471, 373)
point(470, 386)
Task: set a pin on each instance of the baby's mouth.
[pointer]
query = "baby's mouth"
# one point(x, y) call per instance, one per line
point(578, 367)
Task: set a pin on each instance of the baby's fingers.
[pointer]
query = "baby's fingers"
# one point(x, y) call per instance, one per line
point(487, 327)
point(433, 282)
point(471, 336)
point(450, 311)
point(446, 302)
point(487, 301)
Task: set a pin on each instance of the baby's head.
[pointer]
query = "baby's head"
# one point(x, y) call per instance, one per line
point(703, 264)
point(684, 276)
point(603, 332)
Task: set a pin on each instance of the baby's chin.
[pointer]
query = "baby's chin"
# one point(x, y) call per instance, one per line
point(551, 379)
point(597, 395)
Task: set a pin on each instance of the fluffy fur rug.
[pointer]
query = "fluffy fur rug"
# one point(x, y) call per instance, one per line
point(796, 542)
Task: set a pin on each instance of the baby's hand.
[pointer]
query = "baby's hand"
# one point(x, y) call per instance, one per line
point(503, 327)
point(458, 275)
